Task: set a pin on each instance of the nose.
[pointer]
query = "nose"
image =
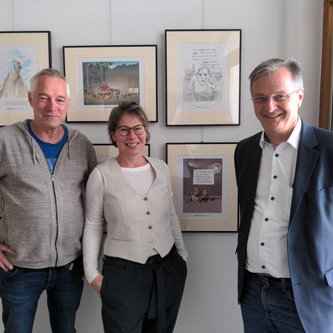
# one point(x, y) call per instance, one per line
point(52, 104)
point(131, 133)
point(270, 104)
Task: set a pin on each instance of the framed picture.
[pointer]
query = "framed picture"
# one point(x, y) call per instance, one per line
point(105, 151)
point(203, 77)
point(22, 55)
point(101, 76)
point(204, 185)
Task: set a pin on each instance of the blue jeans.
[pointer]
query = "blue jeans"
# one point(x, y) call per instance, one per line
point(21, 288)
point(268, 310)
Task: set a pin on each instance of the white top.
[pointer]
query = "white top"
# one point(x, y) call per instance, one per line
point(267, 243)
point(135, 206)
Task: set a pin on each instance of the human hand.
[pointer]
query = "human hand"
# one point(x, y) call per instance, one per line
point(5, 264)
point(97, 283)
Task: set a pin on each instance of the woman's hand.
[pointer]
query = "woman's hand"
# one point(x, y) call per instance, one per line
point(97, 283)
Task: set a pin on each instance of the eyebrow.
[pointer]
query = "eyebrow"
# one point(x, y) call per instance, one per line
point(130, 126)
point(275, 93)
point(47, 95)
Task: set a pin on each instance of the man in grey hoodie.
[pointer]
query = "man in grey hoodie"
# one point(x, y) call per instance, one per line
point(44, 166)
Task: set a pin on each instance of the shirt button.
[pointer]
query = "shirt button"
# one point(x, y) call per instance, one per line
point(145, 199)
point(266, 219)
point(275, 176)
point(276, 155)
point(148, 213)
point(150, 227)
point(262, 243)
point(272, 198)
point(263, 266)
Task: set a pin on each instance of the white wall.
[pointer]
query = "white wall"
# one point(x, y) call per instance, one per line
point(270, 28)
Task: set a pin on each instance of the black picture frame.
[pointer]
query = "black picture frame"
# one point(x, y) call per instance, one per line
point(105, 151)
point(204, 185)
point(22, 55)
point(101, 76)
point(203, 70)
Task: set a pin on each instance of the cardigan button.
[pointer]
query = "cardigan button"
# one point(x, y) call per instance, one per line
point(148, 213)
point(150, 227)
point(145, 199)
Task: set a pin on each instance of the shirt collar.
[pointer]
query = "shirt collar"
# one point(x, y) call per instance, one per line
point(293, 139)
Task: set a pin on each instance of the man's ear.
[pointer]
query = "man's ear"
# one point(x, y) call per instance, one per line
point(30, 98)
point(300, 97)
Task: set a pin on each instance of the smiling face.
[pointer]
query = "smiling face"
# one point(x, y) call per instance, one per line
point(49, 101)
point(278, 116)
point(132, 144)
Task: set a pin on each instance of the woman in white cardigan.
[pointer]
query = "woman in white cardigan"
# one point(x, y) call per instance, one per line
point(144, 267)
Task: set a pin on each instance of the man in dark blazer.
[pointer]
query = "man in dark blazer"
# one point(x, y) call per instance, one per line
point(285, 192)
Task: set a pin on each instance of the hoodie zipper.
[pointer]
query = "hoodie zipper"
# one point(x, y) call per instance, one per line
point(57, 226)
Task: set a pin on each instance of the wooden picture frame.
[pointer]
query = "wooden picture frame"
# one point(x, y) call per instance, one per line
point(326, 82)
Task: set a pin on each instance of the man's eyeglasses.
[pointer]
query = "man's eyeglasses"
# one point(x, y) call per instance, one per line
point(124, 130)
point(277, 98)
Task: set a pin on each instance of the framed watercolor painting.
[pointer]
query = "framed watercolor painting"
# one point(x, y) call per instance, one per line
point(22, 55)
point(101, 76)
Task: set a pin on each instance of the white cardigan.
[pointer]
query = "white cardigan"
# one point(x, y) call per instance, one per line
point(136, 223)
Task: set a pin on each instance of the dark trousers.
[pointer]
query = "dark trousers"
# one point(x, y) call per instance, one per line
point(142, 298)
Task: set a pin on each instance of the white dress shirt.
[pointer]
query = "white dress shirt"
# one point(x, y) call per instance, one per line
point(267, 243)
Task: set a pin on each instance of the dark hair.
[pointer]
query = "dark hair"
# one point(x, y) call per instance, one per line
point(126, 107)
point(51, 72)
point(275, 64)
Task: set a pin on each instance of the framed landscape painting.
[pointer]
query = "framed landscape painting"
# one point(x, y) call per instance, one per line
point(102, 76)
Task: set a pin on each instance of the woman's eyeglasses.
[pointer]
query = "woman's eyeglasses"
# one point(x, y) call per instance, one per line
point(138, 130)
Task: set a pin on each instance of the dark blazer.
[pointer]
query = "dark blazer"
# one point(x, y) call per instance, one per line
point(310, 233)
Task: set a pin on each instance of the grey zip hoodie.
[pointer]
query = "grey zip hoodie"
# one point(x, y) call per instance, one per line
point(42, 215)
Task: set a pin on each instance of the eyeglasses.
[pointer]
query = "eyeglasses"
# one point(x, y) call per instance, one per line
point(277, 98)
point(138, 130)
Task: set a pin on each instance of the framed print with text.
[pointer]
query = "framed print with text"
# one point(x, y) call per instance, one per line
point(101, 76)
point(105, 151)
point(22, 55)
point(204, 185)
point(203, 77)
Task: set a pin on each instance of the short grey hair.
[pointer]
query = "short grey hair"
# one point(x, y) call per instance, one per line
point(51, 72)
point(272, 65)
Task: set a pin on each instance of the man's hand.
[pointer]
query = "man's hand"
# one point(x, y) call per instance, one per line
point(5, 264)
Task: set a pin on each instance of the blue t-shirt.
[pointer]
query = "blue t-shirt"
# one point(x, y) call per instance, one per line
point(50, 150)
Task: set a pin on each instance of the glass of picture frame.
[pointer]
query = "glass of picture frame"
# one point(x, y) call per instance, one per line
point(101, 76)
point(204, 185)
point(22, 55)
point(203, 77)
